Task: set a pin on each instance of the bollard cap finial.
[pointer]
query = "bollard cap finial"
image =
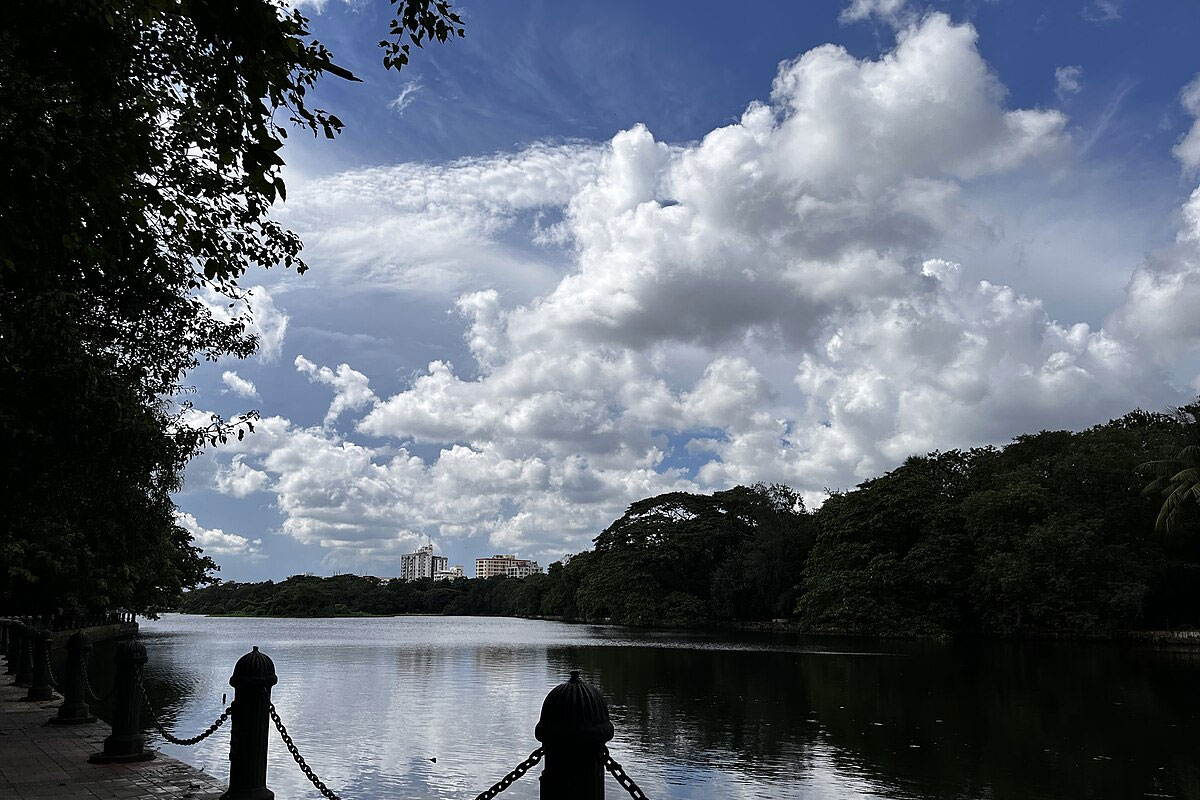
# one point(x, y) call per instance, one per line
point(574, 715)
point(254, 668)
point(131, 650)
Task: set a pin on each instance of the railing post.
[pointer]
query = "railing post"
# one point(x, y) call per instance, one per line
point(252, 679)
point(25, 657)
point(126, 743)
point(14, 646)
point(573, 730)
point(39, 685)
point(75, 709)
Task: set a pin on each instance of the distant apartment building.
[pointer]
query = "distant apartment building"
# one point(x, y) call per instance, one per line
point(421, 564)
point(449, 574)
point(511, 566)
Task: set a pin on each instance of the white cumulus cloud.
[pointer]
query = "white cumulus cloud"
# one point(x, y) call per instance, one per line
point(263, 319)
point(1188, 149)
point(774, 302)
point(239, 385)
point(239, 479)
point(216, 542)
point(352, 391)
point(890, 11)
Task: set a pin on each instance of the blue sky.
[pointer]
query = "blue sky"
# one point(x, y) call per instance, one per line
point(593, 252)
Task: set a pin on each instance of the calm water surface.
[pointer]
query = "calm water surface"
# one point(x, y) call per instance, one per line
point(370, 702)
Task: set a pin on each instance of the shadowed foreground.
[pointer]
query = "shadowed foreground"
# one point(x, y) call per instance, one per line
point(51, 762)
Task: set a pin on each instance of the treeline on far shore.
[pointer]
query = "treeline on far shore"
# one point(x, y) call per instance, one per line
point(1050, 535)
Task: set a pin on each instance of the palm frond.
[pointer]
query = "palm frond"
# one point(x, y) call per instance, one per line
point(1162, 467)
point(1173, 506)
point(1189, 476)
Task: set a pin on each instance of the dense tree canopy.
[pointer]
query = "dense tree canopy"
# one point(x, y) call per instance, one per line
point(140, 156)
point(682, 557)
point(1051, 535)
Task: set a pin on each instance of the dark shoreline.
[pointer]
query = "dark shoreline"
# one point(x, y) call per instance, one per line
point(1189, 638)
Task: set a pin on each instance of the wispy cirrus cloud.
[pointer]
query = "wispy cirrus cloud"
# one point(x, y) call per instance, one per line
point(408, 93)
point(1068, 80)
point(1102, 10)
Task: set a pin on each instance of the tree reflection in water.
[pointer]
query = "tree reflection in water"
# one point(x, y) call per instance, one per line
point(918, 720)
point(697, 714)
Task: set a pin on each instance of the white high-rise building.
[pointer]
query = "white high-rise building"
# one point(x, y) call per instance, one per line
point(449, 574)
point(509, 565)
point(421, 564)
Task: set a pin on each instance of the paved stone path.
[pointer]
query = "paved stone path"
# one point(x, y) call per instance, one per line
point(50, 762)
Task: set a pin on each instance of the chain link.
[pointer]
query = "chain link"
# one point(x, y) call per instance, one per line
point(300, 762)
point(511, 778)
point(50, 671)
point(626, 782)
point(87, 684)
point(209, 731)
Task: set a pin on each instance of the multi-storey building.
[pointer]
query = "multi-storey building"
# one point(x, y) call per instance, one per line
point(449, 574)
point(509, 565)
point(421, 564)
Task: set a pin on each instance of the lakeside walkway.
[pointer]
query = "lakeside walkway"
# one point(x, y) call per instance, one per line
point(50, 762)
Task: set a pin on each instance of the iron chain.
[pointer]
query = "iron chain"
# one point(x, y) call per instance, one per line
point(511, 778)
point(87, 684)
point(50, 671)
point(328, 793)
point(209, 731)
point(618, 772)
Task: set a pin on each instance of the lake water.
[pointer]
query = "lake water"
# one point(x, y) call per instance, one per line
point(370, 702)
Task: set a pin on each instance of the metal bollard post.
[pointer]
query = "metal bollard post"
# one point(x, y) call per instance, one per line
point(573, 731)
point(75, 709)
point(25, 657)
point(14, 646)
point(252, 679)
point(126, 743)
point(39, 686)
